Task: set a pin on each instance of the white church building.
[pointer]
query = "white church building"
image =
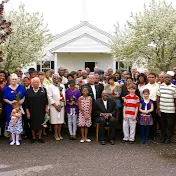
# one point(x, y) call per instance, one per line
point(81, 46)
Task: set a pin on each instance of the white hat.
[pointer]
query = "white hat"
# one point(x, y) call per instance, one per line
point(171, 73)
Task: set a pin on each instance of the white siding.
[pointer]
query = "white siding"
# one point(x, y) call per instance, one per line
point(76, 61)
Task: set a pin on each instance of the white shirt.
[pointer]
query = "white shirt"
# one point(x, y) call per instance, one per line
point(64, 80)
point(94, 91)
point(153, 88)
point(105, 104)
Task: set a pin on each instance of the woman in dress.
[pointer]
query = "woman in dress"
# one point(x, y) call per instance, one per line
point(56, 98)
point(36, 107)
point(13, 92)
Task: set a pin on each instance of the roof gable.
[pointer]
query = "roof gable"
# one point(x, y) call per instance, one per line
point(83, 23)
point(83, 43)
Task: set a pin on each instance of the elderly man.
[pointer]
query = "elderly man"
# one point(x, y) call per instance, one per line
point(105, 111)
point(94, 90)
point(161, 77)
point(110, 71)
point(133, 71)
point(61, 71)
point(166, 103)
point(83, 79)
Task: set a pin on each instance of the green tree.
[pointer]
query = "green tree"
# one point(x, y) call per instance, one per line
point(149, 37)
point(5, 28)
point(30, 35)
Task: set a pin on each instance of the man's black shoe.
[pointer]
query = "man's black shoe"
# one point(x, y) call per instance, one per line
point(33, 141)
point(102, 143)
point(124, 141)
point(162, 140)
point(167, 141)
point(40, 140)
point(112, 142)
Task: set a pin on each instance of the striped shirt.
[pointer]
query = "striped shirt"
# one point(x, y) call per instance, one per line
point(167, 94)
point(131, 103)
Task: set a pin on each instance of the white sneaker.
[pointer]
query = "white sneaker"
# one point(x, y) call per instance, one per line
point(82, 141)
point(12, 143)
point(17, 143)
point(88, 140)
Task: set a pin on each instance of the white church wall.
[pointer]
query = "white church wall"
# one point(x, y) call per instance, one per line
point(76, 61)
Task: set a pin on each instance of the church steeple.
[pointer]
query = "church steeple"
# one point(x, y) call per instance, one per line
point(84, 11)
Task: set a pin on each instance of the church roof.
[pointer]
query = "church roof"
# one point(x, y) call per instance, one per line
point(83, 23)
point(77, 38)
point(83, 37)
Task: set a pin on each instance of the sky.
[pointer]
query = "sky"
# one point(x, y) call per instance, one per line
point(61, 15)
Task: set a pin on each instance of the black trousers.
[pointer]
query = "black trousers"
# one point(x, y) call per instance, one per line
point(167, 124)
point(27, 128)
point(156, 121)
point(103, 124)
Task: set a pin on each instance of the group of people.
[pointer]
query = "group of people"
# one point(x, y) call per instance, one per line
point(29, 104)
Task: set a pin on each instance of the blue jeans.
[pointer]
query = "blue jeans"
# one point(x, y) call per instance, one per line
point(144, 132)
point(72, 124)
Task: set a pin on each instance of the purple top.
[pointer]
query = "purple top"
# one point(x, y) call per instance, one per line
point(75, 94)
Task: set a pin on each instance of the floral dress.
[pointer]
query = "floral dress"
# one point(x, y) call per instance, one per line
point(17, 128)
point(85, 105)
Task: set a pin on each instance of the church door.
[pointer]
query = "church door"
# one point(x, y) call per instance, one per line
point(90, 65)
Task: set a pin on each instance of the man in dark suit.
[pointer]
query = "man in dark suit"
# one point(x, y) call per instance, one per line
point(94, 91)
point(105, 111)
point(26, 85)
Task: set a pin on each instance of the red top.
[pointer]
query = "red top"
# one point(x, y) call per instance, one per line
point(131, 103)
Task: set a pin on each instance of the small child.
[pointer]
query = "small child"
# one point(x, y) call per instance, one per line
point(15, 124)
point(145, 118)
point(130, 111)
point(85, 110)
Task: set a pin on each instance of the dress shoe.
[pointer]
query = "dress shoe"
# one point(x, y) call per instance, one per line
point(124, 141)
point(33, 141)
point(112, 142)
point(40, 140)
point(167, 141)
point(131, 142)
point(102, 143)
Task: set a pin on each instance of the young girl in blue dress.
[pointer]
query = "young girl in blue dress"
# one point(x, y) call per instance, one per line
point(15, 125)
point(145, 118)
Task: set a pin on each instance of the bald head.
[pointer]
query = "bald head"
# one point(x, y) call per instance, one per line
point(104, 95)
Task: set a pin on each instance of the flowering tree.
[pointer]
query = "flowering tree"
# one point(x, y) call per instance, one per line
point(149, 37)
point(28, 39)
point(5, 27)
